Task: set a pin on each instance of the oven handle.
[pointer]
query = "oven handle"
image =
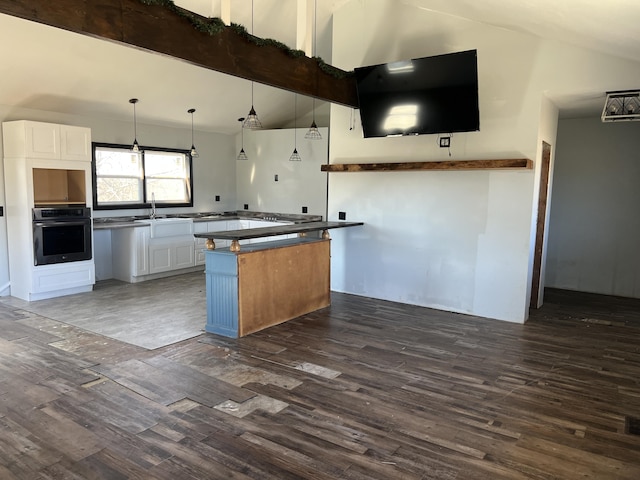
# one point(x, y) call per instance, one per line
point(55, 223)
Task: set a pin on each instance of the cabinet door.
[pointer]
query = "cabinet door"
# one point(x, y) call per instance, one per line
point(160, 258)
point(75, 143)
point(42, 140)
point(199, 243)
point(183, 255)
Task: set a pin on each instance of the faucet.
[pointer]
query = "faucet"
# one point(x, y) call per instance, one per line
point(152, 216)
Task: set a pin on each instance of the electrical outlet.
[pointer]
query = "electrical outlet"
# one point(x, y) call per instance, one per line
point(304, 209)
point(246, 206)
point(342, 215)
point(275, 177)
point(445, 142)
point(217, 198)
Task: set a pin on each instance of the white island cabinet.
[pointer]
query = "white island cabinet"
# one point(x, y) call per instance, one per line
point(45, 164)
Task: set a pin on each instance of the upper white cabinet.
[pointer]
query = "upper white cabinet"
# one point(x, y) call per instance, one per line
point(75, 143)
point(47, 140)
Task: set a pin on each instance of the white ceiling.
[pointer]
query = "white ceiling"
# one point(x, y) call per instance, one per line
point(50, 69)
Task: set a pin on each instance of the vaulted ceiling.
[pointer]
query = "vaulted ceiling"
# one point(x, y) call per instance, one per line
point(45, 68)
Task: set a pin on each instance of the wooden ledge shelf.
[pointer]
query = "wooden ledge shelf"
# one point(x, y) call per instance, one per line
point(502, 164)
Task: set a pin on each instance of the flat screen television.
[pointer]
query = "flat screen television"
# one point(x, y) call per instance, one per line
point(428, 95)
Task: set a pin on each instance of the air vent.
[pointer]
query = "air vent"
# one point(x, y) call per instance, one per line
point(621, 106)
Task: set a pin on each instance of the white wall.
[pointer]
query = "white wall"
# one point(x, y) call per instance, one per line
point(594, 229)
point(459, 241)
point(299, 183)
point(214, 169)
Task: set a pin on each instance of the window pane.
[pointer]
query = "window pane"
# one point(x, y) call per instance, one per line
point(167, 190)
point(127, 180)
point(165, 164)
point(118, 190)
point(120, 162)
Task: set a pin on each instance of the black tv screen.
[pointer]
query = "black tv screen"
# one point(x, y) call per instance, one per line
point(426, 95)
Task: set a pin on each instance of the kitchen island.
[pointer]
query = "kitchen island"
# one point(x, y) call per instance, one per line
point(257, 285)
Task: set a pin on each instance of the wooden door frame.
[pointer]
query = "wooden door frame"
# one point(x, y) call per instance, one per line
point(543, 196)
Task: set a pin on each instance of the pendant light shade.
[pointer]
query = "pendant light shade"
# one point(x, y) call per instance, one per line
point(242, 155)
point(295, 156)
point(135, 147)
point(252, 121)
point(193, 152)
point(314, 133)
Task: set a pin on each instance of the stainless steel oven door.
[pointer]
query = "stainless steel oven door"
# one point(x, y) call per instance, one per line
point(57, 241)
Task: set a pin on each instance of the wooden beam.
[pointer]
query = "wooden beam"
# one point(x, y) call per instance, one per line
point(162, 30)
point(517, 163)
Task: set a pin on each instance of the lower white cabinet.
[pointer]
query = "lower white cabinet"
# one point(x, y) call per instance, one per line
point(205, 227)
point(60, 279)
point(171, 254)
point(268, 223)
point(136, 256)
point(130, 253)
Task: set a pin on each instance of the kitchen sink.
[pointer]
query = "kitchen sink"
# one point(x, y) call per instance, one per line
point(169, 226)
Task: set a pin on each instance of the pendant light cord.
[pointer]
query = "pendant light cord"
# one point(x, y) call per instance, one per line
point(315, 51)
point(135, 128)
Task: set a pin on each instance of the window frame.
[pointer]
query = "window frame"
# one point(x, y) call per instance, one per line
point(146, 202)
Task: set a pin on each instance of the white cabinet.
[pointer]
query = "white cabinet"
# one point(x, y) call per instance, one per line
point(47, 140)
point(171, 254)
point(137, 256)
point(199, 243)
point(75, 143)
point(268, 223)
point(60, 279)
point(213, 226)
point(140, 257)
point(130, 253)
point(42, 140)
point(43, 165)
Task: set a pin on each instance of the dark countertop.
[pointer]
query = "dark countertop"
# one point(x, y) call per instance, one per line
point(275, 230)
point(104, 223)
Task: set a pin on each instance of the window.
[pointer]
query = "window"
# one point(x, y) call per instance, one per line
point(124, 179)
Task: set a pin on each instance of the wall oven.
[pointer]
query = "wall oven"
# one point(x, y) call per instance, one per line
point(61, 234)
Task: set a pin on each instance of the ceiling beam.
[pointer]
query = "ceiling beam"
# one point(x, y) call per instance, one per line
point(161, 30)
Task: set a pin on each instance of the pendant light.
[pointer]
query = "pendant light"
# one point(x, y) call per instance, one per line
point(314, 133)
point(295, 156)
point(252, 121)
point(193, 152)
point(242, 155)
point(135, 148)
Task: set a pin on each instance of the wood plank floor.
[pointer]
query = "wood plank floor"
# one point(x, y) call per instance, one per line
point(365, 389)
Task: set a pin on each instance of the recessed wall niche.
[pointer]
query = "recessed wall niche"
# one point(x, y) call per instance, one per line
point(53, 186)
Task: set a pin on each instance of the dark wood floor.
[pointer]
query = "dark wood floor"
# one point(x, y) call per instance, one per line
point(365, 389)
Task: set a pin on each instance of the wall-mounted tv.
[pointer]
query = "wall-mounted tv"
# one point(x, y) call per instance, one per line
point(426, 95)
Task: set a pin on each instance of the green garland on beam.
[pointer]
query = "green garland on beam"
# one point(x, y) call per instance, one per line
point(214, 26)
